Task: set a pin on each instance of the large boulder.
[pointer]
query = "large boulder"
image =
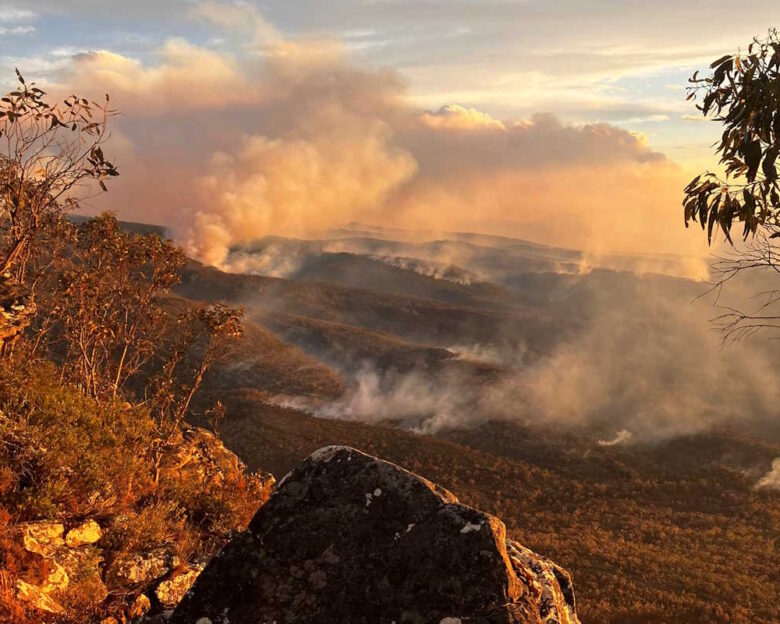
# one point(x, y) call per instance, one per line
point(350, 538)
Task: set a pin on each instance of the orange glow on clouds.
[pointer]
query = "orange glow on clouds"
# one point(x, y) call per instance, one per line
point(296, 138)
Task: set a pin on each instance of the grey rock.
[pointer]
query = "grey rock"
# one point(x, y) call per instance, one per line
point(350, 538)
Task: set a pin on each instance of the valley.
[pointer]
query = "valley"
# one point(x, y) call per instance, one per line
point(350, 351)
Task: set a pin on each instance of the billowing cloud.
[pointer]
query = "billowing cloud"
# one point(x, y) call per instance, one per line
point(452, 116)
point(186, 77)
point(288, 136)
point(343, 167)
point(593, 187)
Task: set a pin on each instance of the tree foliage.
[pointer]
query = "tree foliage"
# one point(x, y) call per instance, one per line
point(48, 154)
point(105, 305)
point(96, 387)
point(742, 92)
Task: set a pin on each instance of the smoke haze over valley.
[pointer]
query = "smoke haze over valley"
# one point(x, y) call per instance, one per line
point(610, 348)
point(525, 250)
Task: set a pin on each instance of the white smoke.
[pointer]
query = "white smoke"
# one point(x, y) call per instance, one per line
point(275, 260)
point(624, 435)
point(489, 354)
point(639, 357)
point(436, 270)
point(771, 480)
point(420, 403)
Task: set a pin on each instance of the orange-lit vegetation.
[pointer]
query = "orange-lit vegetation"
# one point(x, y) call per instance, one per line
point(100, 365)
point(96, 378)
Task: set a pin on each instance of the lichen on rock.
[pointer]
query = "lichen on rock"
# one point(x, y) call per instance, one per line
point(88, 532)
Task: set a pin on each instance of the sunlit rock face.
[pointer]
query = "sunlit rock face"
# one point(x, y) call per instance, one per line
point(16, 309)
point(62, 566)
point(350, 538)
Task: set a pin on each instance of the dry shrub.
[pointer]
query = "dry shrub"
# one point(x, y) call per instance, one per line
point(65, 457)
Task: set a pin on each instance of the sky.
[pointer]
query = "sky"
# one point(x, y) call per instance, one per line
point(563, 121)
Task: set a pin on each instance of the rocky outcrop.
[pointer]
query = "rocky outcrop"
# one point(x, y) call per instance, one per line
point(200, 457)
point(16, 309)
point(350, 538)
point(87, 533)
point(170, 592)
point(65, 562)
point(35, 597)
point(58, 569)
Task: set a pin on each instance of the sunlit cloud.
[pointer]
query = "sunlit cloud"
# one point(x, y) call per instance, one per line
point(455, 117)
point(239, 129)
point(238, 18)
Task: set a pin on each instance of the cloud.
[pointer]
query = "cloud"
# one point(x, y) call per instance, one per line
point(185, 77)
point(13, 14)
point(594, 187)
point(16, 30)
point(454, 117)
point(287, 136)
point(239, 17)
point(15, 21)
point(507, 58)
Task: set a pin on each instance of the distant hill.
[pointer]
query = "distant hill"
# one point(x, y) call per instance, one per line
point(130, 226)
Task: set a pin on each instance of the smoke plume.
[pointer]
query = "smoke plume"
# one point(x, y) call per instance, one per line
point(771, 480)
point(638, 356)
point(283, 136)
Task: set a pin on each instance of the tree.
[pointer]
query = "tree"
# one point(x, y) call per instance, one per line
point(106, 303)
point(742, 92)
point(99, 365)
point(48, 155)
